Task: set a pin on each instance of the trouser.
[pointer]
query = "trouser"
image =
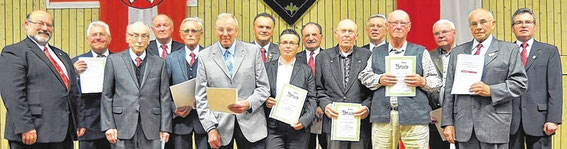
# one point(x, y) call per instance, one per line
point(388, 135)
point(138, 141)
point(532, 142)
point(101, 143)
point(287, 140)
point(473, 143)
point(242, 142)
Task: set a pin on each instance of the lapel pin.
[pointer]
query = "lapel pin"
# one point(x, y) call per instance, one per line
point(491, 54)
point(534, 57)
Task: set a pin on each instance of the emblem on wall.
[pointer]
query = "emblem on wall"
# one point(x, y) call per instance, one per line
point(290, 10)
point(142, 4)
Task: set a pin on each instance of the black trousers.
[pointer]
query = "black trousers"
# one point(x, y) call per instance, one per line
point(177, 141)
point(532, 142)
point(313, 140)
point(66, 144)
point(435, 141)
point(101, 143)
point(242, 142)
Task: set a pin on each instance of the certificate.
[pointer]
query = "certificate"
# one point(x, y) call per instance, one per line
point(437, 113)
point(93, 76)
point(220, 98)
point(468, 71)
point(183, 94)
point(346, 127)
point(400, 66)
point(289, 104)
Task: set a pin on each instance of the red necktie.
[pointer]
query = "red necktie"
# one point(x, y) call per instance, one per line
point(478, 49)
point(263, 51)
point(57, 67)
point(192, 59)
point(524, 53)
point(138, 61)
point(164, 51)
point(311, 62)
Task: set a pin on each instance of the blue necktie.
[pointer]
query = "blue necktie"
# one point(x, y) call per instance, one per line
point(228, 60)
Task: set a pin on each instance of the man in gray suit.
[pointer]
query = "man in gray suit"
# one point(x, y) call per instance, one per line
point(376, 30)
point(537, 114)
point(482, 120)
point(135, 106)
point(263, 31)
point(231, 63)
point(335, 75)
point(404, 117)
point(182, 66)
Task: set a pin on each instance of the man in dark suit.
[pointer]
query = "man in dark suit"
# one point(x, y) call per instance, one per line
point(400, 117)
point(444, 35)
point(336, 72)
point(312, 38)
point(162, 26)
point(376, 31)
point(182, 66)
point(98, 36)
point(537, 114)
point(135, 106)
point(39, 90)
point(482, 119)
point(263, 31)
point(287, 70)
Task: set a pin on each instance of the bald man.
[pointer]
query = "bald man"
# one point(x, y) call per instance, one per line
point(163, 45)
point(482, 120)
point(39, 90)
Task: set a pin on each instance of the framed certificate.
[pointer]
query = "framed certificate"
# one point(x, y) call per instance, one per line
point(346, 127)
point(400, 66)
point(289, 103)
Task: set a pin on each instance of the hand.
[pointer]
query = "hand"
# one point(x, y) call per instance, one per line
point(29, 137)
point(330, 111)
point(414, 80)
point(214, 139)
point(549, 128)
point(183, 111)
point(270, 102)
point(388, 80)
point(297, 126)
point(112, 135)
point(449, 133)
point(239, 106)
point(362, 113)
point(81, 132)
point(80, 66)
point(479, 88)
point(164, 136)
point(318, 112)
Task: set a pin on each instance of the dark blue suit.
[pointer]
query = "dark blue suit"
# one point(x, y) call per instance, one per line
point(180, 71)
point(154, 50)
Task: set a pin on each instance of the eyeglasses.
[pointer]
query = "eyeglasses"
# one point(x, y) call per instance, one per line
point(187, 31)
point(527, 22)
point(378, 26)
point(41, 24)
point(94, 35)
point(401, 23)
point(136, 36)
point(444, 33)
point(291, 43)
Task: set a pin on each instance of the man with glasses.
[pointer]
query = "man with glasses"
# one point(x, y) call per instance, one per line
point(182, 66)
point(162, 27)
point(376, 31)
point(39, 90)
point(404, 117)
point(537, 114)
point(335, 74)
point(135, 111)
point(482, 119)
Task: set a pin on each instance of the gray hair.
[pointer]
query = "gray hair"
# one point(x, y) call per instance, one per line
point(196, 19)
point(227, 15)
point(522, 11)
point(99, 24)
point(451, 24)
point(128, 28)
point(376, 16)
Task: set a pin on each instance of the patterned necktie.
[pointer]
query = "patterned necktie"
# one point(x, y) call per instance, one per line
point(478, 49)
point(263, 51)
point(138, 61)
point(312, 62)
point(164, 51)
point(192, 59)
point(346, 62)
point(57, 67)
point(524, 53)
point(228, 60)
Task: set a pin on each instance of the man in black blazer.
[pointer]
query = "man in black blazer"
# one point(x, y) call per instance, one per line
point(337, 69)
point(537, 114)
point(285, 70)
point(162, 26)
point(376, 31)
point(98, 36)
point(39, 90)
point(182, 66)
point(263, 31)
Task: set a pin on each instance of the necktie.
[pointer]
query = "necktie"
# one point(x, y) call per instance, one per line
point(192, 59)
point(312, 62)
point(138, 61)
point(164, 51)
point(228, 60)
point(346, 70)
point(478, 49)
point(57, 67)
point(263, 51)
point(99, 56)
point(524, 53)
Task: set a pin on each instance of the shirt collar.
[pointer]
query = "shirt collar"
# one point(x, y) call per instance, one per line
point(230, 49)
point(401, 49)
point(38, 45)
point(530, 42)
point(106, 53)
point(280, 63)
point(168, 44)
point(266, 47)
point(133, 55)
point(195, 51)
point(485, 44)
point(373, 45)
point(344, 54)
point(315, 52)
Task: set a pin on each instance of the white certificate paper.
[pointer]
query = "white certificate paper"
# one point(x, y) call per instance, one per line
point(400, 66)
point(346, 127)
point(220, 98)
point(93, 76)
point(289, 104)
point(183, 94)
point(468, 71)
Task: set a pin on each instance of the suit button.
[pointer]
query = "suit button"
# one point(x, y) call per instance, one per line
point(344, 98)
point(190, 68)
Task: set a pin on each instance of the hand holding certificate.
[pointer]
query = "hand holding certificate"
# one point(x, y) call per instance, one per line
point(93, 76)
point(183, 94)
point(400, 66)
point(220, 98)
point(289, 104)
point(468, 71)
point(346, 127)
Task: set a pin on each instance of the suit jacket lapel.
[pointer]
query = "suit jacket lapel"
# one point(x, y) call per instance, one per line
point(438, 61)
point(218, 58)
point(43, 57)
point(534, 53)
point(239, 55)
point(183, 64)
point(273, 76)
point(294, 71)
point(147, 68)
point(336, 65)
point(273, 52)
point(128, 64)
point(492, 52)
